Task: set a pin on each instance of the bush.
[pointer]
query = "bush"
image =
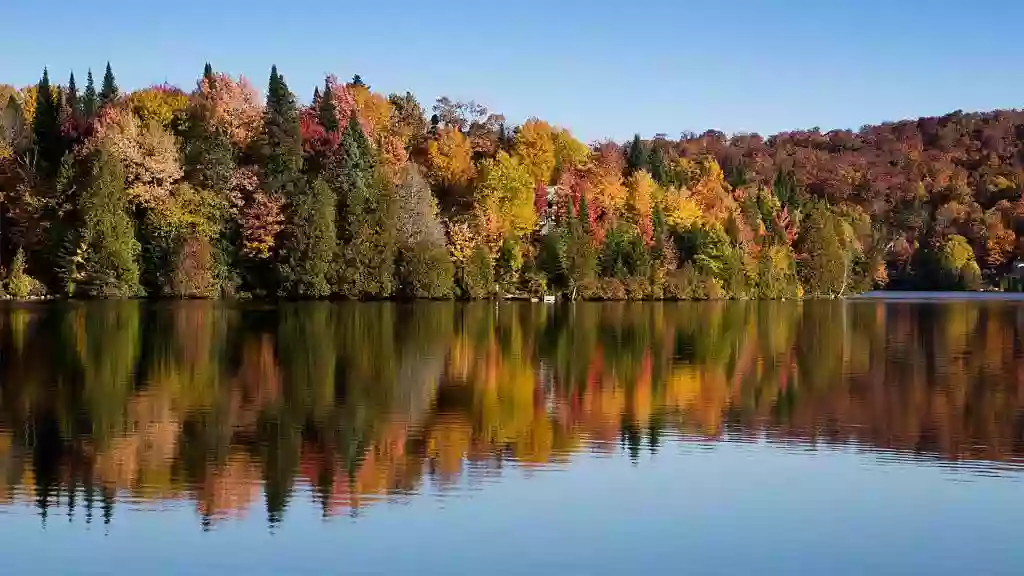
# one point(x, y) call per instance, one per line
point(425, 271)
point(603, 289)
point(19, 284)
point(637, 288)
point(476, 279)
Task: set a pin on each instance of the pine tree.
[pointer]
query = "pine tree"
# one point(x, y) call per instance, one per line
point(327, 110)
point(46, 128)
point(316, 98)
point(107, 232)
point(109, 92)
point(208, 72)
point(309, 243)
point(357, 81)
point(71, 97)
point(636, 156)
point(656, 165)
point(364, 211)
point(584, 215)
point(281, 151)
point(823, 264)
point(281, 142)
point(90, 102)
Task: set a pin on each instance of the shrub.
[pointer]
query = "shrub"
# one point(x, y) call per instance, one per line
point(425, 271)
point(19, 284)
point(476, 279)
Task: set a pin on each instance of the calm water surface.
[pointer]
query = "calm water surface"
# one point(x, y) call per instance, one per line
point(872, 436)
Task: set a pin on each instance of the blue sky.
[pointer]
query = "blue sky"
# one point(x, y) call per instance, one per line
point(601, 68)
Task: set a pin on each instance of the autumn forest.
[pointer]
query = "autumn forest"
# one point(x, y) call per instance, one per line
point(219, 192)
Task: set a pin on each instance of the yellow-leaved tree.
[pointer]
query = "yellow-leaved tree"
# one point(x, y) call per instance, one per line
point(535, 148)
point(570, 153)
point(504, 197)
point(449, 159)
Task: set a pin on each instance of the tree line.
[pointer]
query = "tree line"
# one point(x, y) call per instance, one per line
point(219, 193)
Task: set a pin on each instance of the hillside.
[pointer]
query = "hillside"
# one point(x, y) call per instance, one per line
point(214, 192)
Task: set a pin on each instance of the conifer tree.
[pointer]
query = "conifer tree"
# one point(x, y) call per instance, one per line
point(656, 165)
point(310, 241)
point(107, 234)
point(636, 156)
point(90, 101)
point(364, 210)
point(46, 128)
point(208, 72)
point(109, 91)
point(316, 98)
point(328, 111)
point(280, 143)
point(281, 151)
point(71, 97)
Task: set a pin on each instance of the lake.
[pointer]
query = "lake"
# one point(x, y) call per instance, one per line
point(868, 436)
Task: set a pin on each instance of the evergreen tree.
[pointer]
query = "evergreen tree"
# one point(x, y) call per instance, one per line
point(823, 265)
point(90, 101)
point(281, 142)
point(364, 214)
point(309, 243)
point(584, 215)
point(107, 232)
point(208, 72)
point(46, 128)
point(109, 91)
point(327, 110)
point(281, 151)
point(357, 80)
point(657, 165)
point(636, 156)
point(71, 97)
point(316, 98)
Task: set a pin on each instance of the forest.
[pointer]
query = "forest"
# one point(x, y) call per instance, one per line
point(221, 193)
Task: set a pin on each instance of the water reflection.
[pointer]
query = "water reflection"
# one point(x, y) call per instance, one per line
point(222, 407)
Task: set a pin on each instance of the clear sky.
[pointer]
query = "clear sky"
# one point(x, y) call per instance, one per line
point(601, 68)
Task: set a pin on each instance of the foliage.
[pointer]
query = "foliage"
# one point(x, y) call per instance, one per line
point(18, 283)
point(162, 104)
point(310, 243)
point(204, 193)
point(504, 197)
point(107, 241)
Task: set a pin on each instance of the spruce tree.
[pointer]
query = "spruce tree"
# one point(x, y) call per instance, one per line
point(327, 110)
point(281, 142)
point(46, 128)
point(316, 98)
point(656, 165)
point(90, 101)
point(824, 266)
point(107, 232)
point(281, 152)
point(357, 81)
point(109, 92)
point(636, 156)
point(310, 241)
point(364, 212)
point(71, 97)
point(208, 72)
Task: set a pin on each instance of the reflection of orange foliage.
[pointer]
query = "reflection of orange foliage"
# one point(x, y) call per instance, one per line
point(229, 490)
point(509, 392)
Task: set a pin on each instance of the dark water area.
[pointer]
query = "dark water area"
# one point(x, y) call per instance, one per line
point(845, 437)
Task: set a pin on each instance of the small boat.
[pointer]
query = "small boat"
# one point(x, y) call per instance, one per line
point(549, 299)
